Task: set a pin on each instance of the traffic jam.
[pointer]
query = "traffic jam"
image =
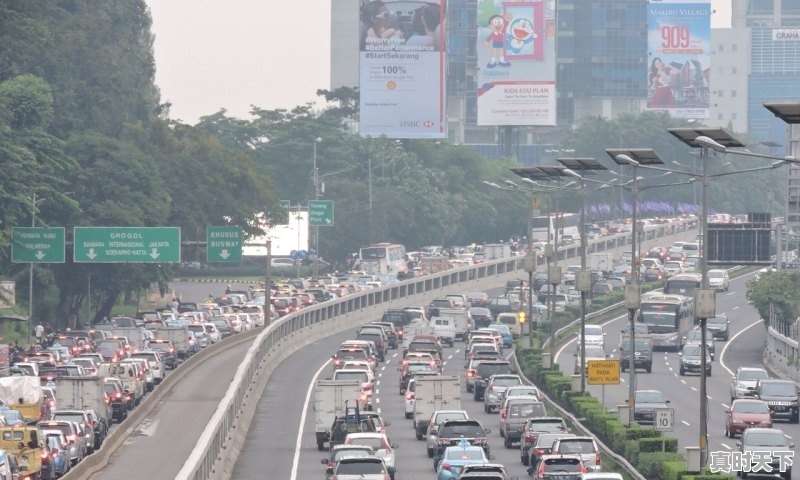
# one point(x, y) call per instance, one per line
point(65, 392)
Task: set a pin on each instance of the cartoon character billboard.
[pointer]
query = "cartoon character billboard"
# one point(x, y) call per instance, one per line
point(402, 65)
point(678, 58)
point(516, 63)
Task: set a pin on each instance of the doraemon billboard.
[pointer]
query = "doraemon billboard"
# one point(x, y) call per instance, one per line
point(402, 64)
point(516, 63)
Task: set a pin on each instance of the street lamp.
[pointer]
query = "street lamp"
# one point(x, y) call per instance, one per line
point(34, 204)
point(315, 270)
point(583, 281)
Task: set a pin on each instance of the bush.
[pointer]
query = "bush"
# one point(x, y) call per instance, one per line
point(630, 450)
point(673, 470)
point(636, 432)
point(656, 444)
point(651, 465)
point(707, 476)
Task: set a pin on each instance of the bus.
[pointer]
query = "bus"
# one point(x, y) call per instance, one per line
point(383, 259)
point(683, 284)
point(568, 224)
point(668, 317)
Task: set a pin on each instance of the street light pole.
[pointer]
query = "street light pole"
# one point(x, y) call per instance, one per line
point(267, 287)
point(703, 441)
point(369, 173)
point(315, 270)
point(635, 283)
point(30, 274)
point(583, 290)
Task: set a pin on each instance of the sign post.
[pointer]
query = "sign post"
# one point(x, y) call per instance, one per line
point(127, 245)
point(37, 245)
point(223, 244)
point(320, 213)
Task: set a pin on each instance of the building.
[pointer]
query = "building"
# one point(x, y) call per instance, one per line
point(730, 64)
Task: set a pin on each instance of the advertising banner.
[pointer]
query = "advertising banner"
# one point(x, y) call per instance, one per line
point(402, 67)
point(678, 58)
point(516, 63)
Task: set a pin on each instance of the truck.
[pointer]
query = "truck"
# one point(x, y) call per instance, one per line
point(84, 393)
point(444, 328)
point(179, 336)
point(27, 445)
point(412, 330)
point(24, 394)
point(461, 321)
point(495, 251)
point(432, 393)
point(331, 398)
point(601, 262)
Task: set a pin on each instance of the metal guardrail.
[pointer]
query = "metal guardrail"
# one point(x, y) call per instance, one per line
point(205, 461)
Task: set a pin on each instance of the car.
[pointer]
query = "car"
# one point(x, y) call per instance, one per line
point(343, 355)
point(379, 443)
point(673, 267)
point(570, 273)
point(75, 444)
point(345, 451)
point(543, 446)
point(536, 427)
point(691, 360)
point(718, 327)
point(484, 371)
point(601, 288)
point(585, 447)
point(437, 419)
point(411, 369)
point(601, 476)
point(780, 396)
point(695, 337)
point(58, 447)
point(505, 333)
point(391, 333)
point(449, 465)
point(593, 352)
point(495, 388)
point(522, 391)
point(486, 471)
point(743, 384)
point(642, 353)
point(83, 419)
point(361, 468)
point(563, 467)
point(718, 279)
point(770, 442)
point(645, 404)
point(452, 432)
point(745, 413)
point(481, 316)
point(594, 335)
point(514, 415)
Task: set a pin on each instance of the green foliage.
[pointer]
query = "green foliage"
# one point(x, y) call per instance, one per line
point(651, 465)
point(658, 445)
point(673, 470)
point(779, 288)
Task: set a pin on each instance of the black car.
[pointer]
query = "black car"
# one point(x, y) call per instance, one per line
point(453, 431)
point(117, 399)
point(484, 371)
point(391, 333)
point(539, 280)
point(719, 327)
point(399, 318)
point(498, 305)
point(642, 355)
point(601, 288)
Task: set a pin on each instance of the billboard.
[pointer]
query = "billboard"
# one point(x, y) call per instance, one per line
point(678, 58)
point(516, 63)
point(401, 69)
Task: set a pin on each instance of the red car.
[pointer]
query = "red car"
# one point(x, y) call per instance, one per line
point(745, 413)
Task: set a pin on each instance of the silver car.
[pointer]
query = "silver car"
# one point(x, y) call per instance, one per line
point(360, 468)
point(743, 385)
point(84, 420)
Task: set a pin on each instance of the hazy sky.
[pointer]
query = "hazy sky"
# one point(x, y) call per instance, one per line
point(231, 54)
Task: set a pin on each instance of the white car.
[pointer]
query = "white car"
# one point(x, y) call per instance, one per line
point(378, 441)
point(718, 279)
point(410, 397)
point(743, 384)
point(594, 335)
point(673, 267)
point(213, 334)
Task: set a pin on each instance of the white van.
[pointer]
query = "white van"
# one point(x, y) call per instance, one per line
point(510, 319)
point(445, 329)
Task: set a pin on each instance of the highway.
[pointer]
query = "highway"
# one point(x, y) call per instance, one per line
point(745, 348)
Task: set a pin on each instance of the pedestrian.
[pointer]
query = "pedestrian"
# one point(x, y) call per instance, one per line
point(39, 332)
point(228, 290)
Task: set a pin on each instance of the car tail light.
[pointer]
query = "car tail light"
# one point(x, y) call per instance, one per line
point(586, 470)
point(71, 438)
point(471, 373)
point(597, 459)
point(410, 396)
point(118, 395)
point(88, 425)
point(45, 455)
point(367, 388)
point(445, 466)
point(538, 452)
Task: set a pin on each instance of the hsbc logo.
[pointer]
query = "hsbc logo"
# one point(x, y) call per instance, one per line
point(416, 124)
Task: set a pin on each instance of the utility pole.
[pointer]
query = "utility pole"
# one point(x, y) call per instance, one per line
point(369, 173)
point(315, 273)
point(267, 286)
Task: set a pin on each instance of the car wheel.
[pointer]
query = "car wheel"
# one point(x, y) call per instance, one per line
point(649, 369)
point(708, 373)
point(524, 460)
point(320, 446)
point(408, 415)
point(508, 443)
point(469, 389)
point(419, 434)
point(681, 372)
point(485, 408)
point(430, 453)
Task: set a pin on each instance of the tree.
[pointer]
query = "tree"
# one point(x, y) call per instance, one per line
point(780, 289)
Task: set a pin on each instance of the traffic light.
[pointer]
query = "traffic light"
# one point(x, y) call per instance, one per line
point(521, 317)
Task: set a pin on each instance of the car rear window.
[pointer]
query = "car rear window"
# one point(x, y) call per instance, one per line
point(527, 410)
point(469, 430)
point(576, 446)
point(488, 369)
point(546, 425)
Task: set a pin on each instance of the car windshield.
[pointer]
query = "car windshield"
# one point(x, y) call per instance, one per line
point(360, 468)
point(567, 465)
point(446, 417)
point(467, 430)
point(696, 336)
point(351, 354)
point(419, 367)
point(715, 274)
point(489, 369)
point(750, 407)
point(522, 391)
point(463, 454)
point(547, 440)
point(779, 389)
point(351, 375)
point(351, 452)
point(576, 446)
point(649, 397)
point(526, 410)
point(375, 442)
point(718, 320)
point(546, 426)
point(53, 442)
point(506, 381)
point(752, 375)
point(691, 351)
point(594, 330)
point(594, 351)
point(765, 439)
point(638, 344)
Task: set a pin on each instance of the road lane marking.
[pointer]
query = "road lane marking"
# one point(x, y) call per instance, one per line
point(683, 381)
point(728, 344)
point(724, 405)
point(575, 338)
point(670, 369)
point(449, 357)
point(444, 363)
point(685, 422)
point(457, 350)
point(734, 308)
point(377, 384)
point(377, 392)
point(726, 446)
point(693, 388)
point(298, 443)
point(383, 368)
point(394, 356)
point(729, 294)
point(377, 400)
point(709, 397)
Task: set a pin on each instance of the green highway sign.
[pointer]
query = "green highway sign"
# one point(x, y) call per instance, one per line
point(223, 244)
point(320, 213)
point(127, 245)
point(37, 245)
point(287, 204)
